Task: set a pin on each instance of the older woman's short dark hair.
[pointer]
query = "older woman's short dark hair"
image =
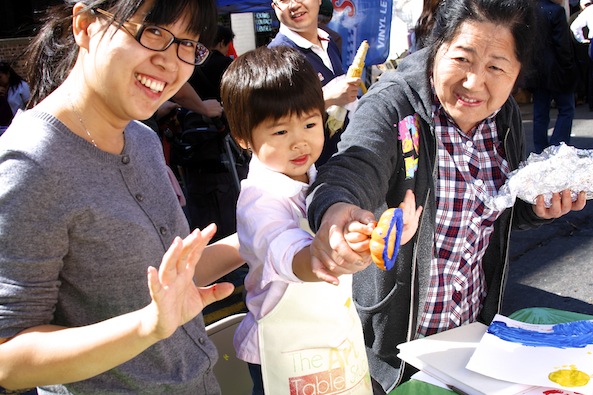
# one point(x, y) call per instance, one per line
point(519, 16)
point(268, 83)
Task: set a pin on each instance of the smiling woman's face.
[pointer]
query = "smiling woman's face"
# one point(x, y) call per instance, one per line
point(475, 74)
point(132, 80)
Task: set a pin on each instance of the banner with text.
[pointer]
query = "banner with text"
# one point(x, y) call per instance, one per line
point(358, 20)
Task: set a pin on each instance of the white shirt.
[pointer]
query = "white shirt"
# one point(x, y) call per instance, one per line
point(18, 97)
point(585, 19)
point(270, 208)
point(306, 44)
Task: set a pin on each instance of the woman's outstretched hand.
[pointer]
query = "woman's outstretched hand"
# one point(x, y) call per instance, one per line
point(175, 298)
point(332, 256)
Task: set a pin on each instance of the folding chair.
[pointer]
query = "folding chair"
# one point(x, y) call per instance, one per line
point(232, 373)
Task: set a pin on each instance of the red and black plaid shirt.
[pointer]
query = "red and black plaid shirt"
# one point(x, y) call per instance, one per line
point(470, 169)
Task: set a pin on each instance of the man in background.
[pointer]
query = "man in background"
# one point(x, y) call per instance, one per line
point(299, 30)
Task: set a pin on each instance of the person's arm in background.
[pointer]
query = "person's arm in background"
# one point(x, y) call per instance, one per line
point(187, 97)
point(341, 91)
point(165, 109)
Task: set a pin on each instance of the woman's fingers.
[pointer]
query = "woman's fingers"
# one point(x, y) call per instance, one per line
point(560, 204)
point(183, 255)
point(193, 246)
point(168, 268)
point(215, 292)
point(322, 273)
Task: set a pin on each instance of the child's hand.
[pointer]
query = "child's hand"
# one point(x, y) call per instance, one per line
point(411, 216)
point(358, 235)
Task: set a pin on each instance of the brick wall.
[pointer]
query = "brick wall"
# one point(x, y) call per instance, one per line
point(12, 51)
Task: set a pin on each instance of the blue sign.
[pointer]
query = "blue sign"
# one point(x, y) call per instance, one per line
point(358, 20)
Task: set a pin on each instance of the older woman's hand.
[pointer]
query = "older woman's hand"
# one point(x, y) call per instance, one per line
point(331, 254)
point(561, 204)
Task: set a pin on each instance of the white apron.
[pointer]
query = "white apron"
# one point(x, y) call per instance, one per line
point(311, 343)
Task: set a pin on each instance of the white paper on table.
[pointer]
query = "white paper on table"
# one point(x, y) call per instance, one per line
point(528, 353)
point(444, 356)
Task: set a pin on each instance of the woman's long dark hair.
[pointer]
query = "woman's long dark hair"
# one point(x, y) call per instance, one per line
point(53, 52)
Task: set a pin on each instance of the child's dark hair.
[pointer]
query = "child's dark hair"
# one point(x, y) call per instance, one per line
point(53, 52)
point(268, 83)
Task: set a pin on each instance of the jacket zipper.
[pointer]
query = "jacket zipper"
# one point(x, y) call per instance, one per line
point(412, 325)
point(505, 269)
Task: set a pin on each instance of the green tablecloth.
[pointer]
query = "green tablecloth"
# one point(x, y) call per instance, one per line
point(415, 387)
point(534, 315)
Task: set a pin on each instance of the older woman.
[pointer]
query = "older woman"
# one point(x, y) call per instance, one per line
point(445, 126)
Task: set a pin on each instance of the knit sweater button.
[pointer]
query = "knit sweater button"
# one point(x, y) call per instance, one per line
point(139, 197)
point(125, 159)
point(163, 230)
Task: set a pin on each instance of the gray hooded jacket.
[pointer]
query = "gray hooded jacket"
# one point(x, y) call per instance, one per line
point(369, 171)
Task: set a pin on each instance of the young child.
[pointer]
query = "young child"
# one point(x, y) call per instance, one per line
point(301, 334)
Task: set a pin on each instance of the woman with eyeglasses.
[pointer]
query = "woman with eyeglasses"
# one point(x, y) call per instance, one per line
point(101, 283)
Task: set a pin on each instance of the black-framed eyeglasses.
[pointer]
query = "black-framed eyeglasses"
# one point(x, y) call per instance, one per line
point(158, 39)
point(285, 3)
